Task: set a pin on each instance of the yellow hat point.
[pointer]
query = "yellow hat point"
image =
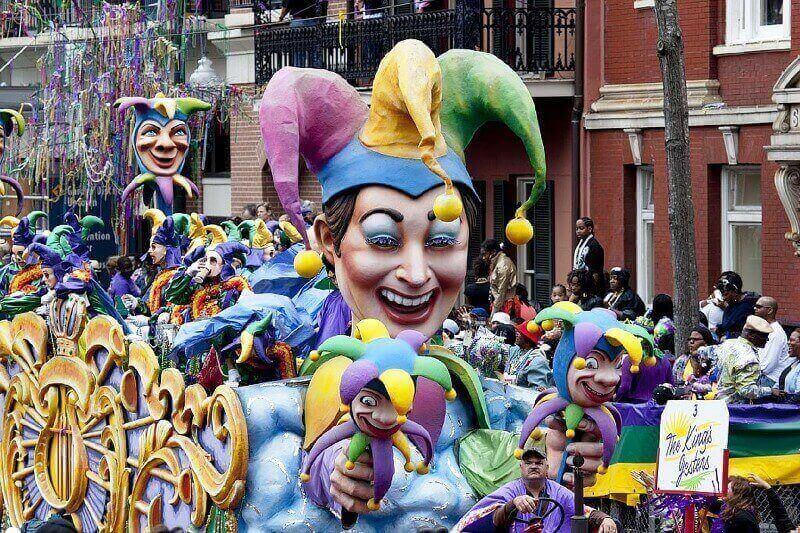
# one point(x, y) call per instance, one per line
point(344, 408)
point(518, 453)
point(570, 433)
point(423, 469)
point(402, 419)
point(579, 363)
point(450, 395)
point(313, 355)
point(536, 434)
point(650, 361)
point(372, 505)
point(349, 465)
point(533, 328)
point(634, 369)
point(308, 263)
point(447, 207)
point(423, 348)
point(519, 231)
point(548, 324)
point(602, 469)
point(305, 478)
point(409, 466)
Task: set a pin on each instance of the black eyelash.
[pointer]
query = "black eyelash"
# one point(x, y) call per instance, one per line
point(382, 241)
point(442, 242)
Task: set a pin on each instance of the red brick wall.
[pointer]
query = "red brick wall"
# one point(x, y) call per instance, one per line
point(610, 153)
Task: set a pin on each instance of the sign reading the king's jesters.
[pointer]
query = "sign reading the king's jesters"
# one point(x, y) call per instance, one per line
point(693, 444)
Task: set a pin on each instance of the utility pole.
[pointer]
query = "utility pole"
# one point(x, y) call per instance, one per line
point(679, 178)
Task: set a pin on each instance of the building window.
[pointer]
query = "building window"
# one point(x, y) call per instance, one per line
point(645, 215)
point(741, 223)
point(751, 21)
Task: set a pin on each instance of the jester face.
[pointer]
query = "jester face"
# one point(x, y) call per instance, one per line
point(157, 252)
point(161, 144)
point(374, 414)
point(595, 383)
point(213, 263)
point(49, 277)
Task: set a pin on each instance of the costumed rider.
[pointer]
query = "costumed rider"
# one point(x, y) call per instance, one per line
point(398, 204)
point(207, 284)
point(17, 278)
point(256, 235)
point(161, 139)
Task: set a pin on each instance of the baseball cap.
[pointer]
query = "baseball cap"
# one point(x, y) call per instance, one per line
point(502, 318)
point(450, 326)
point(479, 312)
point(535, 447)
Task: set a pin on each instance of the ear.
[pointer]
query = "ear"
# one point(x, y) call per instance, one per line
point(324, 238)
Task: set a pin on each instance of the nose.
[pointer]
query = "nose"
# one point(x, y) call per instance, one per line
point(414, 270)
point(385, 415)
point(607, 376)
point(164, 142)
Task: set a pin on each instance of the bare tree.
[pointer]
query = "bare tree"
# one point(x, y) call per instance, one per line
point(679, 180)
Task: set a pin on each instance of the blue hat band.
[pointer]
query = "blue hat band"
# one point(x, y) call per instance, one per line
point(356, 166)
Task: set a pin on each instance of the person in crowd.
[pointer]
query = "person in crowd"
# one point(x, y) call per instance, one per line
point(477, 293)
point(774, 357)
point(528, 366)
point(516, 503)
point(738, 305)
point(589, 254)
point(699, 337)
point(738, 509)
point(662, 307)
point(500, 318)
point(737, 361)
point(502, 273)
point(581, 288)
point(621, 298)
point(264, 212)
point(249, 212)
point(699, 383)
point(789, 381)
point(449, 331)
point(518, 307)
point(309, 212)
point(59, 522)
point(713, 308)
point(558, 293)
point(122, 285)
point(488, 352)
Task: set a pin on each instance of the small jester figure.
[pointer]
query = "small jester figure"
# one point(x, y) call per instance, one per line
point(378, 392)
point(16, 277)
point(10, 122)
point(256, 235)
point(161, 139)
point(586, 370)
point(82, 227)
point(161, 261)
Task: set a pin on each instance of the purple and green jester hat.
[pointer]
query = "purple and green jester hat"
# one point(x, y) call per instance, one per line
point(387, 366)
point(583, 333)
point(161, 140)
point(164, 232)
point(23, 230)
point(423, 115)
point(50, 258)
point(12, 122)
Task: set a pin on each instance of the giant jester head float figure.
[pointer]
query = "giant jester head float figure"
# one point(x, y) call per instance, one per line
point(10, 122)
point(377, 390)
point(161, 140)
point(393, 177)
point(586, 370)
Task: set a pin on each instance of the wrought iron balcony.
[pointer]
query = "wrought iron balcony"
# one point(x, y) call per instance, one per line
point(531, 40)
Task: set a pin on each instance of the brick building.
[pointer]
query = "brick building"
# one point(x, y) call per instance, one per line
point(736, 51)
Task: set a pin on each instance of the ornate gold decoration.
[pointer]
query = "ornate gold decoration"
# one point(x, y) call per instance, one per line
point(92, 425)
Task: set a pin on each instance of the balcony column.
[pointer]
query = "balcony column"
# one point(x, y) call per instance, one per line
point(238, 46)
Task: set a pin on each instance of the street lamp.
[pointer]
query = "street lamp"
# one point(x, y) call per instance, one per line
point(204, 76)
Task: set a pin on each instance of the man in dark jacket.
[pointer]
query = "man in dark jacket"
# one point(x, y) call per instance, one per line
point(738, 305)
point(589, 254)
point(621, 298)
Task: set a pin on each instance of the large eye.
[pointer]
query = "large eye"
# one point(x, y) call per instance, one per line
point(180, 131)
point(443, 234)
point(591, 363)
point(369, 401)
point(381, 231)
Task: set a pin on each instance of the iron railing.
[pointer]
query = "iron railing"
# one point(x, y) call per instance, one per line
point(530, 40)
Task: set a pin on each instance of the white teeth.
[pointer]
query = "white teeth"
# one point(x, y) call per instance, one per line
point(407, 302)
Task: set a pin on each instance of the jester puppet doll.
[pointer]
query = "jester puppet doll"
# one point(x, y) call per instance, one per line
point(161, 139)
point(397, 208)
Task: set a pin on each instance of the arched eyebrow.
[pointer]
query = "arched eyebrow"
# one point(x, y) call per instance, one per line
point(395, 215)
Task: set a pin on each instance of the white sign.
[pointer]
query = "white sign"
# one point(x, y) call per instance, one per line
point(693, 448)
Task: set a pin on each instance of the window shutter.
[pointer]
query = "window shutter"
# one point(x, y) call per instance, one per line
point(499, 210)
point(543, 249)
point(477, 233)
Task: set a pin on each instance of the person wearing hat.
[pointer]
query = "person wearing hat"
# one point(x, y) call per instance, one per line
point(738, 365)
point(516, 505)
point(161, 261)
point(23, 233)
point(621, 298)
point(528, 365)
point(738, 305)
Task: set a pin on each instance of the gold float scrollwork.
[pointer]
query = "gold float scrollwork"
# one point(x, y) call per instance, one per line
point(91, 425)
